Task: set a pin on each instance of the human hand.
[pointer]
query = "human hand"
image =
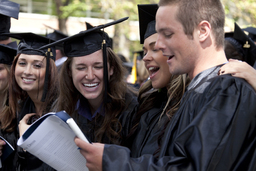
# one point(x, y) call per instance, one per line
point(23, 126)
point(240, 69)
point(93, 154)
point(2, 143)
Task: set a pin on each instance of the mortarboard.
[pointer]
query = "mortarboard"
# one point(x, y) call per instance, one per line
point(56, 34)
point(252, 32)
point(87, 42)
point(7, 54)
point(7, 9)
point(29, 44)
point(244, 44)
point(147, 13)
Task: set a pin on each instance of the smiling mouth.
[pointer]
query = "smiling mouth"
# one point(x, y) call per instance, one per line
point(27, 79)
point(170, 57)
point(91, 85)
point(152, 70)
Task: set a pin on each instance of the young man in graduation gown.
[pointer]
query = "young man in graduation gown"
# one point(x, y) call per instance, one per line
point(215, 126)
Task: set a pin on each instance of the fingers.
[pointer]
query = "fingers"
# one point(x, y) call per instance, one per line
point(26, 118)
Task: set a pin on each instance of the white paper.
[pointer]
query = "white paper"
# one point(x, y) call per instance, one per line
point(53, 143)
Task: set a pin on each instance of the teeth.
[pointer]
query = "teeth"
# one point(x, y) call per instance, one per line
point(26, 79)
point(91, 85)
point(151, 68)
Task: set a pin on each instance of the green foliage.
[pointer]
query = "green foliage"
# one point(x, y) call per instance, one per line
point(241, 10)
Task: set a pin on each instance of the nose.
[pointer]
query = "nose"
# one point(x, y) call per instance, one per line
point(147, 56)
point(27, 70)
point(90, 74)
point(159, 43)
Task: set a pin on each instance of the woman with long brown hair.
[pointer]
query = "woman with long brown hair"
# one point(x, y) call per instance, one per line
point(33, 89)
point(93, 90)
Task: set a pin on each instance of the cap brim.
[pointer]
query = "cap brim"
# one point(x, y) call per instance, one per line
point(84, 32)
point(251, 30)
point(10, 9)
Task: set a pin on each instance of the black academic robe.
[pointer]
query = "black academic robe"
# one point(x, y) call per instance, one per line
point(150, 128)
point(88, 127)
point(27, 161)
point(214, 129)
point(11, 162)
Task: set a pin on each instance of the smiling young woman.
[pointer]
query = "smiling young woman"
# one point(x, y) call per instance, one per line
point(33, 89)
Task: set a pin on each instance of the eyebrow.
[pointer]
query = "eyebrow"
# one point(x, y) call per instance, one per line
point(23, 59)
point(96, 63)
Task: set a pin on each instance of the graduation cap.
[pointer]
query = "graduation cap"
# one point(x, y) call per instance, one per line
point(243, 44)
point(56, 34)
point(29, 44)
point(147, 13)
point(87, 42)
point(252, 32)
point(7, 54)
point(7, 9)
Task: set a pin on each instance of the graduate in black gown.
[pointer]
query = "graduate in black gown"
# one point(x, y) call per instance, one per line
point(215, 125)
point(8, 126)
point(33, 89)
point(92, 87)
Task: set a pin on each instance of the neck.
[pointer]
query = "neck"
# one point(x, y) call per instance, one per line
point(37, 102)
point(208, 58)
point(94, 105)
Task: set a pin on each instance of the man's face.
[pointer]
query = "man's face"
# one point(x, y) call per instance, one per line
point(180, 49)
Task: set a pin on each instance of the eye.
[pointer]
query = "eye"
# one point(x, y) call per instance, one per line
point(80, 68)
point(38, 66)
point(21, 63)
point(2, 68)
point(167, 35)
point(98, 67)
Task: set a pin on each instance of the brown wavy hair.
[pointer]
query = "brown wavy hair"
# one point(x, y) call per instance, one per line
point(148, 97)
point(16, 95)
point(69, 95)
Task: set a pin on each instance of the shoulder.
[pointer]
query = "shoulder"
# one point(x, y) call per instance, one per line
point(229, 84)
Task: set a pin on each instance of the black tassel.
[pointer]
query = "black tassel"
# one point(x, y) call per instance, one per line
point(46, 80)
point(105, 72)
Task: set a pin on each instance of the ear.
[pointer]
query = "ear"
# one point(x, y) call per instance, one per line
point(111, 71)
point(204, 30)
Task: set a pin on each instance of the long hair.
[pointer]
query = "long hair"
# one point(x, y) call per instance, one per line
point(6, 123)
point(17, 95)
point(148, 97)
point(199, 10)
point(69, 95)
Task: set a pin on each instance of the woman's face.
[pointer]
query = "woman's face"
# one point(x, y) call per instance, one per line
point(87, 75)
point(3, 78)
point(30, 73)
point(156, 63)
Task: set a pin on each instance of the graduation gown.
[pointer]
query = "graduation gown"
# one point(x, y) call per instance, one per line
point(150, 128)
point(88, 127)
point(214, 129)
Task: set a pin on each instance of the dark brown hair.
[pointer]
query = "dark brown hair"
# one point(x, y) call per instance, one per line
point(16, 95)
point(69, 95)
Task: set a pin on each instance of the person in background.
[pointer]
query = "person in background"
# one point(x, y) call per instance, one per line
point(8, 9)
point(203, 132)
point(252, 33)
point(60, 56)
point(92, 87)
point(240, 46)
point(33, 89)
point(241, 52)
point(8, 126)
